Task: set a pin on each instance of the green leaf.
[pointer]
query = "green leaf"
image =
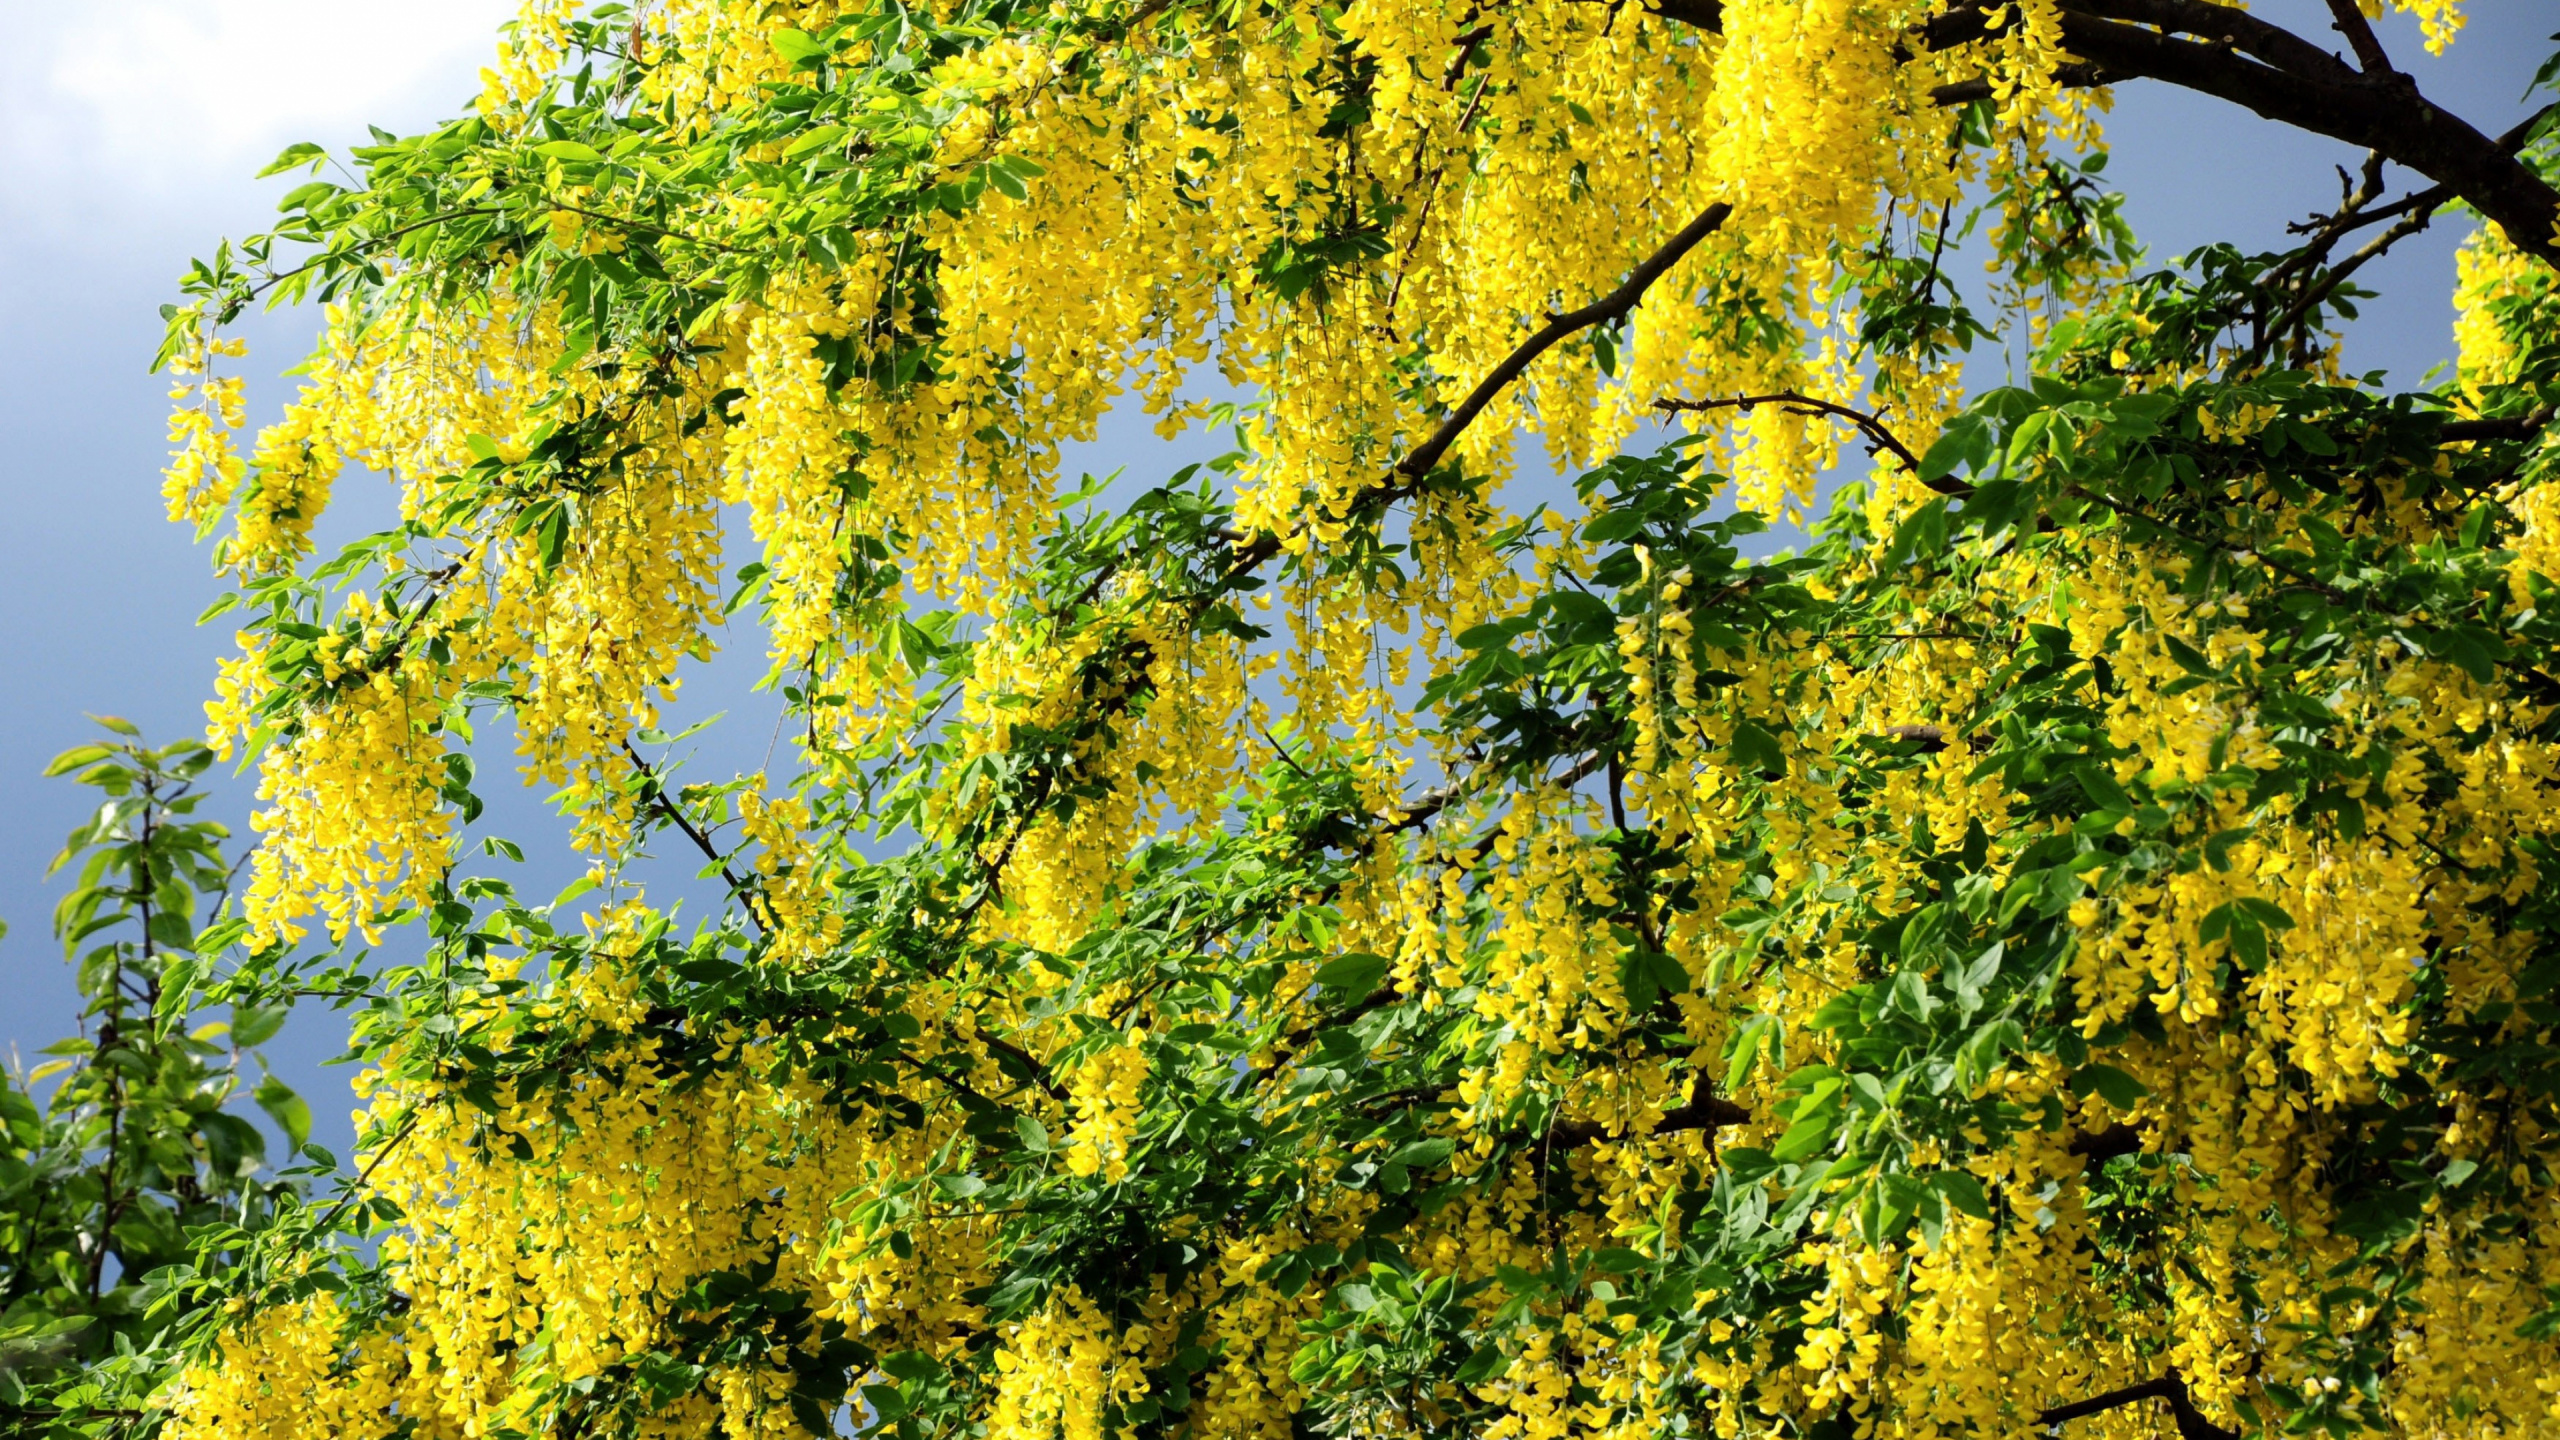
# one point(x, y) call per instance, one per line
point(291, 1112)
point(1754, 748)
point(1744, 1049)
point(2111, 1085)
point(797, 45)
point(255, 1025)
point(1424, 1154)
point(1486, 1363)
point(823, 136)
point(2188, 657)
point(74, 758)
point(1962, 1191)
point(1803, 1138)
point(1353, 977)
point(567, 150)
point(301, 152)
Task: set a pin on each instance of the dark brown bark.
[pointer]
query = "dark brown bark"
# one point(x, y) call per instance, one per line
point(2267, 69)
point(2272, 72)
point(2171, 1387)
point(1705, 1110)
point(2104, 1145)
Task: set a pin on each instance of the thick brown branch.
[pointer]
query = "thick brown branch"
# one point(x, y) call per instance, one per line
point(2102, 1146)
point(1707, 15)
point(2234, 56)
point(2350, 22)
point(2070, 75)
point(2171, 1387)
point(2512, 427)
point(2224, 29)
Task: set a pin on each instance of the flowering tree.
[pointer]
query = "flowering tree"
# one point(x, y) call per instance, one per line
point(1362, 952)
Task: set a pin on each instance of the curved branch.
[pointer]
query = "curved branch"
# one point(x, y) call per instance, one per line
point(1409, 472)
point(2171, 1387)
point(1802, 404)
point(2219, 51)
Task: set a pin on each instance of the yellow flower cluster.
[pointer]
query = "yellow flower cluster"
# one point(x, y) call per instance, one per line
point(204, 471)
point(1354, 215)
point(1107, 1102)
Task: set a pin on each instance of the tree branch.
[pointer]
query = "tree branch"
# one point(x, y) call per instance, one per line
point(2070, 75)
point(1801, 404)
point(2316, 291)
point(1704, 1110)
point(2101, 1146)
point(2511, 427)
point(655, 794)
point(1410, 471)
point(1707, 15)
point(1613, 306)
point(2266, 69)
point(2171, 1387)
point(2351, 23)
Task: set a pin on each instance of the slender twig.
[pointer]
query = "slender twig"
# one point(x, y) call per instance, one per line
point(1611, 307)
point(2413, 211)
point(1422, 218)
point(345, 252)
point(656, 795)
point(1428, 805)
point(1937, 253)
point(643, 226)
point(365, 1176)
point(1801, 404)
point(2327, 285)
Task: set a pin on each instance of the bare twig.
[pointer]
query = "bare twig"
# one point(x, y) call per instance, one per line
point(655, 794)
point(1797, 403)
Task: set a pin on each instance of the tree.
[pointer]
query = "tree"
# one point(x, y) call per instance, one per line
point(134, 1170)
point(1316, 946)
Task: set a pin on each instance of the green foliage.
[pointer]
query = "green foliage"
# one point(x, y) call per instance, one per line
point(109, 1180)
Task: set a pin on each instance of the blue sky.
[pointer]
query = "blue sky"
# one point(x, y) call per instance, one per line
point(129, 130)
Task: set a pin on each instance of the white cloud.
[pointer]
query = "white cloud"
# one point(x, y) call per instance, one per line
point(184, 93)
